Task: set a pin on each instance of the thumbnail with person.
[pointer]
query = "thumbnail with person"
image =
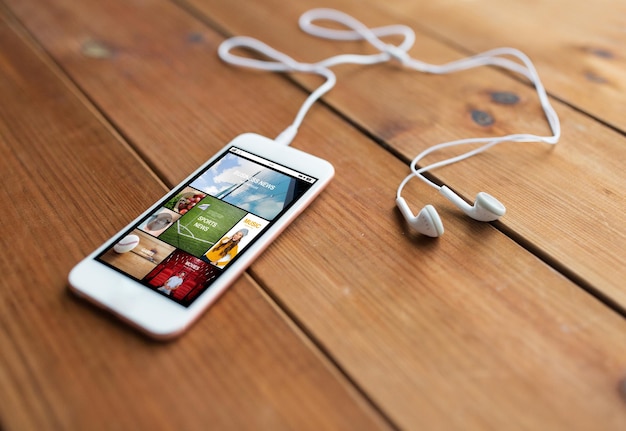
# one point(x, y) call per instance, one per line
point(235, 240)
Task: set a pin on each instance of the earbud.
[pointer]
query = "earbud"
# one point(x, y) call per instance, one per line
point(427, 221)
point(486, 207)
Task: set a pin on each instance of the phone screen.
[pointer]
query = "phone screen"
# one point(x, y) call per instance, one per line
point(199, 229)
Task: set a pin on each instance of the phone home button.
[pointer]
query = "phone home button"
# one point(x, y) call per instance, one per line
point(124, 297)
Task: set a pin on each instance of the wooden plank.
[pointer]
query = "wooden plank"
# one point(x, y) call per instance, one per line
point(470, 332)
point(578, 46)
point(68, 183)
point(566, 202)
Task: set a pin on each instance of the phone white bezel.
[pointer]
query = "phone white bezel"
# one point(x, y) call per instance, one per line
point(159, 316)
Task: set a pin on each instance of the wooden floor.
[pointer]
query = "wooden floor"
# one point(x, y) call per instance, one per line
point(349, 321)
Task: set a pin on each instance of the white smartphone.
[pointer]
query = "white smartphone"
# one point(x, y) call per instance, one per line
point(167, 266)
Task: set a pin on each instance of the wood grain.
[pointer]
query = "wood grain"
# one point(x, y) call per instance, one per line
point(470, 332)
point(565, 202)
point(68, 183)
point(578, 46)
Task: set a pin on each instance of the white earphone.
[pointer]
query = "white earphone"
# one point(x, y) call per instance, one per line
point(486, 208)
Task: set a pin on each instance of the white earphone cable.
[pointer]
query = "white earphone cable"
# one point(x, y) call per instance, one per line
point(357, 31)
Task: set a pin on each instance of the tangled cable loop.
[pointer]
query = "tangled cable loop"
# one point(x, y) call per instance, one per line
point(397, 54)
point(356, 31)
point(359, 31)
